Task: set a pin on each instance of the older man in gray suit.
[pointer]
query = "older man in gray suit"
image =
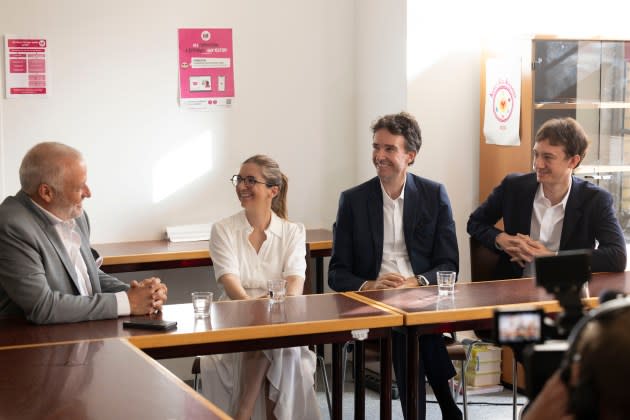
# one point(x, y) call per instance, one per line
point(48, 273)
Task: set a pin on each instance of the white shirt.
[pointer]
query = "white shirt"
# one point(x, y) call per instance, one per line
point(546, 223)
point(395, 256)
point(71, 239)
point(281, 255)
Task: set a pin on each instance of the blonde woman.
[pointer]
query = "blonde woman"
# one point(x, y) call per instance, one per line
point(249, 248)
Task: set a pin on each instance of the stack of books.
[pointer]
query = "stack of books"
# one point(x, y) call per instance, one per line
point(483, 374)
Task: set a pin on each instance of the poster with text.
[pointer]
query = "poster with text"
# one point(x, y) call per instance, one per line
point(206, 68)
point(25, 66)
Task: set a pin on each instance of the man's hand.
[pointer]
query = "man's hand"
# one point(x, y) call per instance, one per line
point(152, 287)
point(386, 281)
point(521, 248)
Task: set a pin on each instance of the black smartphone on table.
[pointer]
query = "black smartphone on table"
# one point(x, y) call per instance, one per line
point(150, 324)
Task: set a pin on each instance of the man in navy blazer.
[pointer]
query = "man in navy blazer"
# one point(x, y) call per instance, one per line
point(550, 210)
point(397, 230)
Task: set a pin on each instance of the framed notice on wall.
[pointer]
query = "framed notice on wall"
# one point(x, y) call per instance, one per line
point(206, 68)
point(26, 66)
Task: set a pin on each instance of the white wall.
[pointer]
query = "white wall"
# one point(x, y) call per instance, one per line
point(310, 78)
point(113, 70)
point(380, 67)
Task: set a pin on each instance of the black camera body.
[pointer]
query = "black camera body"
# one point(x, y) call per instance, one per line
point(540, 362)
point(526, 331)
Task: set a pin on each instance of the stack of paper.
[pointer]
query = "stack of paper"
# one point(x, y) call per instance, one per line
point(187, 233)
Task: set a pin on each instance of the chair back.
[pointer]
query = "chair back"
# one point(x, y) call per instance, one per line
point(483, 261)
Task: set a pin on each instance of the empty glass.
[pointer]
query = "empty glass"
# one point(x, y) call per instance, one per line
point(277, 290)
point(202, 303)
point(446, 282)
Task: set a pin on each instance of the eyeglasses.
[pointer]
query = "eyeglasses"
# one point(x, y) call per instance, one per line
point(249, 181)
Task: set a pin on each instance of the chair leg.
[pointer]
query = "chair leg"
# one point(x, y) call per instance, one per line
point(514, 387)
point(196, 372)
point(463, 388)
point(322, 367)
point(462, 382)
point(344, 361)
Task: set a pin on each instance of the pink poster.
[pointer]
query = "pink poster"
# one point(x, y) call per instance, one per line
point(206, 68)
point(26, 66)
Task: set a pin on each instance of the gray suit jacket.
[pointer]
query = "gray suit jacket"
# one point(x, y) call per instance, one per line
point(37, 279)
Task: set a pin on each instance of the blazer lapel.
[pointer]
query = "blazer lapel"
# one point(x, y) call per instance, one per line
point(410, 210)
point(375, 222)
point(92, 269)
point(526, 201)
point(53, 236)
point(572, 212)
point(55, 240)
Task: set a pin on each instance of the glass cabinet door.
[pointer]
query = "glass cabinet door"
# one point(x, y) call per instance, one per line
point(588, 80)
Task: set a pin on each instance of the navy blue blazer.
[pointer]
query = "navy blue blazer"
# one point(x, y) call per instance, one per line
point(589, 218)
point(428, 227)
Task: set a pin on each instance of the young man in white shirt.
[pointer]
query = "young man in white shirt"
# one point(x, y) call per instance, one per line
point(550, 210)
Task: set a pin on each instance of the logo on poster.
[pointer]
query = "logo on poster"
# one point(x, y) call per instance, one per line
point(205, 35)
point(503, 98)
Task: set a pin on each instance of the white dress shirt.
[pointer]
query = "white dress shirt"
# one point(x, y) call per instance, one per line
point(395, 256)
point(546, 223)
point(71, 240)
point(281, 255)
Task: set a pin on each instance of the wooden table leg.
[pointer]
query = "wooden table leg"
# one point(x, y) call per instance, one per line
point(386, 377)
point(337, 394)
point(359, 380)
point(413, 360)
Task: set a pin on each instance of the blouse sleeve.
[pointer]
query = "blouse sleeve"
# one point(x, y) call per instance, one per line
point(295, 262)
point(223, 251)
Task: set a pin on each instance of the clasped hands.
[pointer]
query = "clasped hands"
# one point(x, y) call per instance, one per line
point(521, 248)
point(390, 281)
point(147, 296)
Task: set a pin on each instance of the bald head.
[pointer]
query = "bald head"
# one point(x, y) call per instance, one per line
point(46, 163)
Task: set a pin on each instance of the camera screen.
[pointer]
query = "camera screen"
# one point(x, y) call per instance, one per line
point(519, 327)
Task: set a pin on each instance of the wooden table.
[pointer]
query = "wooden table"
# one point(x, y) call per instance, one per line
point(162, 254)
point(244, 326)
point(100, 379)
point(472, 307)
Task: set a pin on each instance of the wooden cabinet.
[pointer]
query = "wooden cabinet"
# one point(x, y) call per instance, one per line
point(587, 79)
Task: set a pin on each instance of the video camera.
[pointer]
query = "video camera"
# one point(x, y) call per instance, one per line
point(528, 330)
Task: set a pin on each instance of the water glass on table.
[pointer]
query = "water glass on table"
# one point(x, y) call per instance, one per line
point(277, 290)
point(446, 282)
point(202, 302)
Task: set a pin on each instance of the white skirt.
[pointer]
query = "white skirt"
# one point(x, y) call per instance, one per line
point(291, 376)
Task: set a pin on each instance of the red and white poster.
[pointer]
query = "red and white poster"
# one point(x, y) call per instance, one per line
point(26, 64)
point(206, 68)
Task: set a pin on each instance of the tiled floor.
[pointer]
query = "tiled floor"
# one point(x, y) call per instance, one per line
point(496, 406)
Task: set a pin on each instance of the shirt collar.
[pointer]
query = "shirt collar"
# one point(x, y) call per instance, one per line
point(54, 220)
point(387, 198)
point(540, 196)
point(275, 225)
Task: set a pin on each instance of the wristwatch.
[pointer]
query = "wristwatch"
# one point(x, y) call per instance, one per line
point(422, 281)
